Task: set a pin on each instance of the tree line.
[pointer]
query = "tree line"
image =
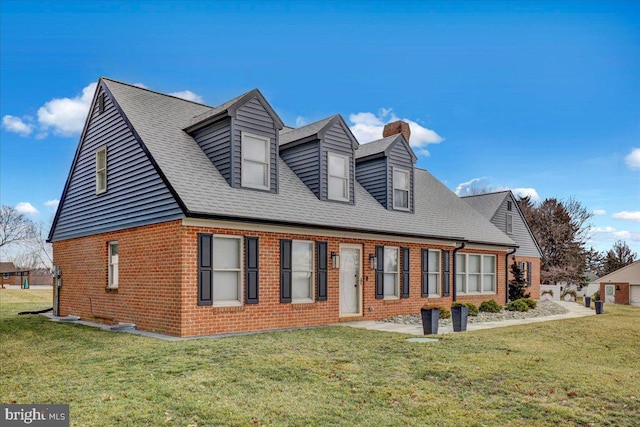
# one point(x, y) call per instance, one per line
point(23, 241)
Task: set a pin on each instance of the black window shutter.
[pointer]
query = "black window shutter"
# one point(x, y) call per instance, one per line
point(252, 279)
point(529, 273)
point(285, 270)
point(321, 274)
point(405, 272)
point(380, 272)
point(424, 269)
point(446, 288)
point(205, 269)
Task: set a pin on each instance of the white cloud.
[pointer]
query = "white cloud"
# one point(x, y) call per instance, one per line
point(301, 121)
point(368, 127)
point(466, 188)
point(627, 216)
point(16, 125)
point(142, 85)
point(523, 192)
point(188, 95)
point(599, 212)
point(633, 159)
point(609, 234)
point(66, 116)
point(26, 208)
point(52, 203)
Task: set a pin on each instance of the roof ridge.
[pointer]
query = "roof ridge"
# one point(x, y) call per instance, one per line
point(329, 118)
point(154, 91)
point(485, 194)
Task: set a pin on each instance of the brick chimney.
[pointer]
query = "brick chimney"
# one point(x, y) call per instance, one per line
point(395, 128)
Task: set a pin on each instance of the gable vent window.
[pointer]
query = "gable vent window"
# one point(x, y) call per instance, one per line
point(101, 103)
point(509, 206)
point(255, 161)
point(101, 170)
point(400, 189)
point(509, 224)
point(338, 177)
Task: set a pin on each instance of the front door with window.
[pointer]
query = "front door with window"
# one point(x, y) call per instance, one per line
point(350, 280)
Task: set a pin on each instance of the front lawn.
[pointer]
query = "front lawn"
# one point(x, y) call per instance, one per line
point(571, 372)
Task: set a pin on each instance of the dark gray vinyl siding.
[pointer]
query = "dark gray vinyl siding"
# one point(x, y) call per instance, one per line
point(253, 118)
point(400, 158)
point(520, 234)
point(336, 141)
point(304, 160)
point(135, 196)
point(215, 141)
point(372, 176)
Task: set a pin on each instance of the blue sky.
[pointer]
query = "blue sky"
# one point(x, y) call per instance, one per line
point(540, 97)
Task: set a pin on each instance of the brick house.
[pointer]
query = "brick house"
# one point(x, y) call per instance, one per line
point(502, 210)
point(190, 220)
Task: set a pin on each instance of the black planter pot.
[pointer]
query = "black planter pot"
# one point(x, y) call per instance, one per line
point(599, 307)
point(430, 318)
point(587, 302)
point(459, 318)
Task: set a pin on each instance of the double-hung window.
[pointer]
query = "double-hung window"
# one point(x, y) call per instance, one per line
point(101, 170)
point(227, 274)
point(391, 273)
point(338, 181)
point(401, 186)
point(434, 273)
point(302, 271)
point(255, 161)
point(113, 265)
point(475, 273)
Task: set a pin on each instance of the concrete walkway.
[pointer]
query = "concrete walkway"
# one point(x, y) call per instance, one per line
point(575, 310)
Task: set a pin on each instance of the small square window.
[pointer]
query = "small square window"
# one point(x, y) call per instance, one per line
point(101, 170)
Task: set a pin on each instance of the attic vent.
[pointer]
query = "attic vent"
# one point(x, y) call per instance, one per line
point(509, 206)
point(101, 101)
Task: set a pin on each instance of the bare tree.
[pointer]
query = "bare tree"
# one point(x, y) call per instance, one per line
point(617, 257)
point(14, 227)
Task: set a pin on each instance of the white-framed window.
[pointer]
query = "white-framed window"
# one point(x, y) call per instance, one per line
point(391, 272)
point(302, 271)
point(433, 284)
point(509, 224)
point(401, 188)
point(525, 274)
point(101, 170)
point(114, 272)
point(475, 274)
point(338, 173)
point(227, 270)
point(256, 155)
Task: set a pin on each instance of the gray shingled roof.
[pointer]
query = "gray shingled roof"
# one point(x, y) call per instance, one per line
point(211, 112)
point(158, 120)
point(303, 132)
point(375, 147)
point(487, 204)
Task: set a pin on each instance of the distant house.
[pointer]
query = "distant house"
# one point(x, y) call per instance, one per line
point(8, 270)
point(502, 210)
point(15, 276)
point(189, 220)
point(620, 287)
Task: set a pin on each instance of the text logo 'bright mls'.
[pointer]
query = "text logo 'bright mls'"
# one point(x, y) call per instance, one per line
point(36, 415)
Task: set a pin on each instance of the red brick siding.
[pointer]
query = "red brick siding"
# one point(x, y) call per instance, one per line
point(149, 283)
point(621, 295)
point(534, 290)
point(158, 283)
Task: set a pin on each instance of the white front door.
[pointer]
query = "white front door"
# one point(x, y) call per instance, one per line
point(634, 291)
point(350, 278)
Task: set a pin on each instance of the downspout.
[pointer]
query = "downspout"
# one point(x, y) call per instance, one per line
point(506, 274)
point(455, 276)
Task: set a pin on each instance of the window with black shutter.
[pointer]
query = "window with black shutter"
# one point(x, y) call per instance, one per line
point(252, 275)
point(285, 270)
point(379, 272)
point(446, 287)
point(424, 270)
point(322, 271)
point(205, 269)
point(405, 272)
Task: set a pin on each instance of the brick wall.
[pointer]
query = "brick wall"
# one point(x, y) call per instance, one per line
point(621, 295)
point(534, 289)
point(149, 283)
point(158, 283)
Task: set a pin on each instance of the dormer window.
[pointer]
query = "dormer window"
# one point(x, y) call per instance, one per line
point(401, 189)
point(101, 170)
point(338, 177)
point(255, 161)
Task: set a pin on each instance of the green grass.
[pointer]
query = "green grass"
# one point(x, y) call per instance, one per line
point(572, 372)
